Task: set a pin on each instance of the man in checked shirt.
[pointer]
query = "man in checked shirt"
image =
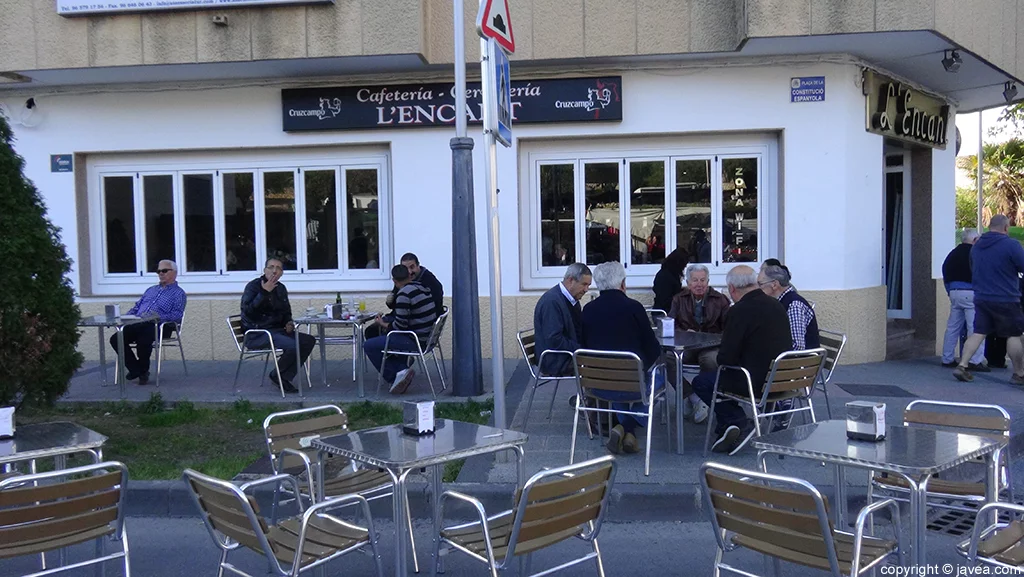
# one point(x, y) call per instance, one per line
point(165, 300)
point(774, 280)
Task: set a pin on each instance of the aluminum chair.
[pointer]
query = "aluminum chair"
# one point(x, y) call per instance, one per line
point(655, 315)
point(598, 371)
point(786, 519)
point(288, 435)
point(972, 418)
point(50, 511)
point(527, 344)
point(244, 352)
point(1000, 544)
point(158, 348)
point(432, 348)
point(833, 343)
point(291, 547)
point(792, 375)
point(554, 506)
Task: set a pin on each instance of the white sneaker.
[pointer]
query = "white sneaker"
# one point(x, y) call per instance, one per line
point(701, 412)
point(687, 408)
point(402, 381)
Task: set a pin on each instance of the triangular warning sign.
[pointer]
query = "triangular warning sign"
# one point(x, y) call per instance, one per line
point(494, 21)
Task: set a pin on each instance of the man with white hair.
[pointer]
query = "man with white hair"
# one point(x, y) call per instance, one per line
point(165, 301)
point(556, 319)
point(956, 275)
point(615, 322)
point(996, 263)
point(756, 331)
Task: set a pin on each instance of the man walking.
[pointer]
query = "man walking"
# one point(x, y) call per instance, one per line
point(956, 275)
point(996, 260)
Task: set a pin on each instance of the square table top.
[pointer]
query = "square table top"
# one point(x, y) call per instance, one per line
point(388, 447)
point(913, 451)
point(121, 321)
point(323, 319)
point(41, 440)
point(686, 340)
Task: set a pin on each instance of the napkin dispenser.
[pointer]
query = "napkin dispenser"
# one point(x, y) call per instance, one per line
point(334, 311)
point(113, 311)
point(418, 417)
point(865, 421)
point(6, 422)
point(667, 328)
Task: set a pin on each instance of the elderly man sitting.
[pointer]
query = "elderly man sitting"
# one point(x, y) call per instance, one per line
point(615, 322)
point(556, 319)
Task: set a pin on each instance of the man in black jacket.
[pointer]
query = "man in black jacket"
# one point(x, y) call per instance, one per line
point(956, 276)
point(615, 322)
point(756, 331)
point(556, 319)
point(265, 306)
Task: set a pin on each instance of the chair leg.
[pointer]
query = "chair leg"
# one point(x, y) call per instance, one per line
point(380, 373)
point(127, 553)
point(600, 563)
point(828, 405)
point(529, 404)
point(444, 386)
point(223, 560)
point(266, 362)
point(159, 362)
point(810, 408)
point(650, 429)
point(238, 369)
point(277, 371)
point(707, 434)
point(181, 349)
point(554, 395)
point(440, 369)
point(668, 424)
point(430, 380)
point(100, 568)
point(412, 539)
point(575, 426)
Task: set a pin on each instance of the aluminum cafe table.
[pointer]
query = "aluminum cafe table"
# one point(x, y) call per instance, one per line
point(50, 440)
point(322, 321)
point(913, 453)
point(118, 324)
point(679, 345)
point(399, 454)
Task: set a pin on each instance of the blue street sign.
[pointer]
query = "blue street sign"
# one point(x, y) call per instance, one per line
point(61, 163)
point(807, 89)
point(503, 83)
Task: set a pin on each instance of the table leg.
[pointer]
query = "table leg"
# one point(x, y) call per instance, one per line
point(679, 401)
point(992, 484)
point(321, 333)
point(435, 481)
point(401, 523)
point(360, 359)
point(122, 377)
point(918, 519)
point(840, 497)
point(103, 356)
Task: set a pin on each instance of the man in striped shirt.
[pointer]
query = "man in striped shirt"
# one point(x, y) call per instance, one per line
point(415, 313)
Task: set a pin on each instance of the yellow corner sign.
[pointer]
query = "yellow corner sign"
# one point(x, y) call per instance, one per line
point(896, 110)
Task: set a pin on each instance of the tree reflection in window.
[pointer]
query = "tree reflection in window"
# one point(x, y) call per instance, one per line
point(601, 194)
point(363, 201)
point(557, 214)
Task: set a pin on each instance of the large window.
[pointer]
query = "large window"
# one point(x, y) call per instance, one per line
point(636, 207)
point(222, 222)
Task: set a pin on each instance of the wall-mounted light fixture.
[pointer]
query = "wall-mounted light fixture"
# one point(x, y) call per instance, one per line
point(1009, 92)
point(951, 61)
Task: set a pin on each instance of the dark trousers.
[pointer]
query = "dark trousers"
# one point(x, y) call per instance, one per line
point(374, 349)
point(287, 343)
point(142, 335)
point(373, 330)
point(726, 412)
point(995, 351)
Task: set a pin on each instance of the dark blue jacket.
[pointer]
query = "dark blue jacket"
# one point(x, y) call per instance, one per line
point(555, 328)
point(615, 322)
point(995, 261)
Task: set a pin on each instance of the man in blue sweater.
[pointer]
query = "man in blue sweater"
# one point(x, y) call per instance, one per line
point(996, 260)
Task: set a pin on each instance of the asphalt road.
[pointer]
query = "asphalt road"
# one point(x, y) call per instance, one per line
point(169, 547)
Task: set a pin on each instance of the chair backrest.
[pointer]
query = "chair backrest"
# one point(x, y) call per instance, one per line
point(794, 370)
point(769, 513)
point(528, 345)
point(833, 343)
point(972, 418)
point(655, 315)
point(229, 513)
point(435, 333)
point(51, 510)
point(609, 371)
point(237, 332)
point(295, 429)
point(560, 503)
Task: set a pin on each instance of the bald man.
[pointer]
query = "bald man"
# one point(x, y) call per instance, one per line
point(165, 301)
point(756, 331)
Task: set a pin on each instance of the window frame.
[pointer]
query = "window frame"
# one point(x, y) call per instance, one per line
point(220, 281)
point(625, 151)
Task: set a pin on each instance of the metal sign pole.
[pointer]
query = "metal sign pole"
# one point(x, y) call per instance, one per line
point(490, 99)
point(981, 172)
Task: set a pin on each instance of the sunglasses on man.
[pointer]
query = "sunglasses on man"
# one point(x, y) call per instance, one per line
point(163, 270)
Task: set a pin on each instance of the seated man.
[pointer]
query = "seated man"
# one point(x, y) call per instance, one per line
point(556, 320)
point(615, 322)
point(165, 300)
point(414, 311)
point(265, 306)
point(774, 280)
point(756, 331)
point(419, 274)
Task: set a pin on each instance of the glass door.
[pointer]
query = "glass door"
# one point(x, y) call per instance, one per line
point(644, 206)
point(896, 271)
point(740, 187)
point(602, 212)
point(693, 208)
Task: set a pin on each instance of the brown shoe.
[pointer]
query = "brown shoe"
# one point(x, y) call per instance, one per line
point(615, 439)
point(1017, 379)
point(962, 374)
point(630, 444)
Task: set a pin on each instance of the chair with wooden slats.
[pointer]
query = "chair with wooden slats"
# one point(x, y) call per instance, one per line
point(293, 546)
point(528, 345)
point(833, 343)
point(786, 519)
point(598, 371)
point(792, 375)
point(971, 418)
point(49, 511)
point(554, 506)
point(288, 435)
point(1000, 544)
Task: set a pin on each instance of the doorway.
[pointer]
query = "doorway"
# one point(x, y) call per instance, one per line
point(896, 232)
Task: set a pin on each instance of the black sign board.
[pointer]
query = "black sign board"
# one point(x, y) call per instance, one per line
point(415, 105)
